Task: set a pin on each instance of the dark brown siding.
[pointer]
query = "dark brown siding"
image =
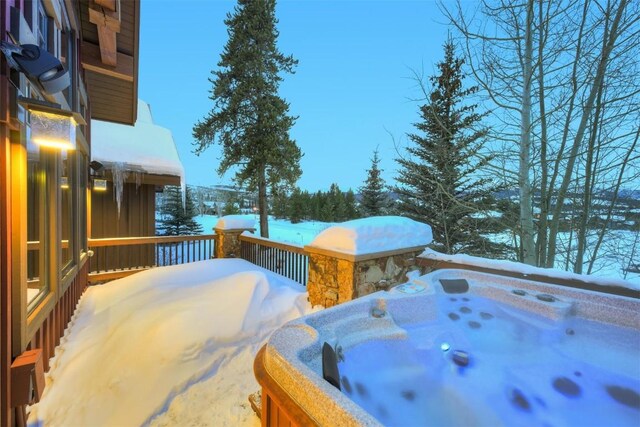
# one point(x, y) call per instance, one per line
point(137, 219)
point(47, 337)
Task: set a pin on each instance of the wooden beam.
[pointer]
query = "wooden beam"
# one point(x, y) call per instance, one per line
point(104, 18)
point(108, 24)
point(107, 4)
point(92, 61)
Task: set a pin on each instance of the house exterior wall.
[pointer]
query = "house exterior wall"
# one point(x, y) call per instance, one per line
point(136, 219)
point(63, 243)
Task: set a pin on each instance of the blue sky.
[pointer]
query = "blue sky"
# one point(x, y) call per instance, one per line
point(352, 89)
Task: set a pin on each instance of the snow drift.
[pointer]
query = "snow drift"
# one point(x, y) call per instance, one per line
point(136, 343)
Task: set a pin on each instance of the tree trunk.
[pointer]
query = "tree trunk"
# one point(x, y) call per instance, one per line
point(588, 107)
point(589, 179)
point(541, 241)
point(526, 193)
point(263, 206)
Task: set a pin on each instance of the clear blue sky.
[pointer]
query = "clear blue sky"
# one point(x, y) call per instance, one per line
point(352, 88)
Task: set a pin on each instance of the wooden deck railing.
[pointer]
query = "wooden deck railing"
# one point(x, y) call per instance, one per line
point(285, 259)
point(121, 256)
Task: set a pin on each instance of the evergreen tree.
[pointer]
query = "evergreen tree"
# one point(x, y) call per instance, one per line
point(249, 119)
point(297, 208)
point(279, 202)
point(375, 200)
point(177, 220)
point(439, 180)
point(350, 202)
point(231, 204)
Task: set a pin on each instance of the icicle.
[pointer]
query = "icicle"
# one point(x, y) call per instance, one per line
point(119, 176)
point(138, 176)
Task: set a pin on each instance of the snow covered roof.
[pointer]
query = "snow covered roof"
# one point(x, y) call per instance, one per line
point(375, 234)
point(144, 147)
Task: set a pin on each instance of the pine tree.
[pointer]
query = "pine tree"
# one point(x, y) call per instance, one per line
point(231, 204)
point(439, 180)
point(177, 220)
point(350, 201)
point(375, 200)
point(249, 120)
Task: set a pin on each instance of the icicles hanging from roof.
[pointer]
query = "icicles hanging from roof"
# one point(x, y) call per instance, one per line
point(119, 177)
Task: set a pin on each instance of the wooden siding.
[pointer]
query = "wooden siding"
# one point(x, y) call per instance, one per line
point(5, 243)
point(109, 98)
point(114, 98)
point(137, 218)
point(48, 335)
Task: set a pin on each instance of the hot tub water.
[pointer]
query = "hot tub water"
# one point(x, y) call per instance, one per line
point(485, 361)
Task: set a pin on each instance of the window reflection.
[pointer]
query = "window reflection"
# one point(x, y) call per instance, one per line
point(37, 280)
point(68, 187)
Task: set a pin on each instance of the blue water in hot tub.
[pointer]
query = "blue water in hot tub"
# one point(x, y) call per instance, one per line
point(481, 362)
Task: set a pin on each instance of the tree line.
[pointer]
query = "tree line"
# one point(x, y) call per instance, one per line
point(538, 95)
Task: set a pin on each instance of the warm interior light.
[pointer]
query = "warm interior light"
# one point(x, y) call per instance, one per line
point(53, 130)
point(64, 183)
point(99, 185)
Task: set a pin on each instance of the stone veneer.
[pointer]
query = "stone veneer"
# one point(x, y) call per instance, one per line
point(336, 277)
point(228, 245)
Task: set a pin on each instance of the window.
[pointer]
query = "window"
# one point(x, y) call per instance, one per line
point(83, 178)
point(43, 28)
point(68, 188)
point(38, 166)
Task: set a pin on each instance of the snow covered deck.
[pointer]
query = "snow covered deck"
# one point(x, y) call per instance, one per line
point(171, 345)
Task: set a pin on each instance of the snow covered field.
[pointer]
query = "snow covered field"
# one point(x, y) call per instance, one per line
point(615, 257)
point(168, 346)
point(280, 230)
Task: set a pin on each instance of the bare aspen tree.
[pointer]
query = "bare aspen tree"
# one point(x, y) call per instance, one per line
point(560, 80)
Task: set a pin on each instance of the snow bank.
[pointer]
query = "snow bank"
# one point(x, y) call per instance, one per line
point(136, 344)
point(374, 234)
point(144, 147)
point(527, 269)
point(235, 222)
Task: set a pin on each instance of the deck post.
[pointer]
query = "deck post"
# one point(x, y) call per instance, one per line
point(336, 277)
point(229, 242)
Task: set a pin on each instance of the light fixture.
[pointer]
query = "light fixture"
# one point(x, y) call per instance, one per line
point(52, 126)
point(99, 184)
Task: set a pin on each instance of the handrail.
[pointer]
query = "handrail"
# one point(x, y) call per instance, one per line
point(291, 247)
point(128, 241)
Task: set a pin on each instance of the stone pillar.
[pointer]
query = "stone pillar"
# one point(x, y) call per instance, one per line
point(336, 277)
point(228, 245)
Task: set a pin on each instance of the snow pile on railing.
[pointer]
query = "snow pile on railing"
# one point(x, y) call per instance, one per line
point(236, 222)
point(374, 234)
point(517, 267)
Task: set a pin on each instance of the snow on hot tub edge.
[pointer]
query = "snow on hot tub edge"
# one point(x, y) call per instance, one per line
point(525, 269)
point(374, 234)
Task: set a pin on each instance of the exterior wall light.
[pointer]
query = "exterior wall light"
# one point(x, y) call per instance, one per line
point(52, 126)
point(99, 184)
point(64, 183)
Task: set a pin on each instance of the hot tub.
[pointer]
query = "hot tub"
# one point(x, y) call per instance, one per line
point(459, 348)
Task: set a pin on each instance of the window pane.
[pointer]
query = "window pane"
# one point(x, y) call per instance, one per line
point(83, 169)
point(37, 280)
point(68, 187)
